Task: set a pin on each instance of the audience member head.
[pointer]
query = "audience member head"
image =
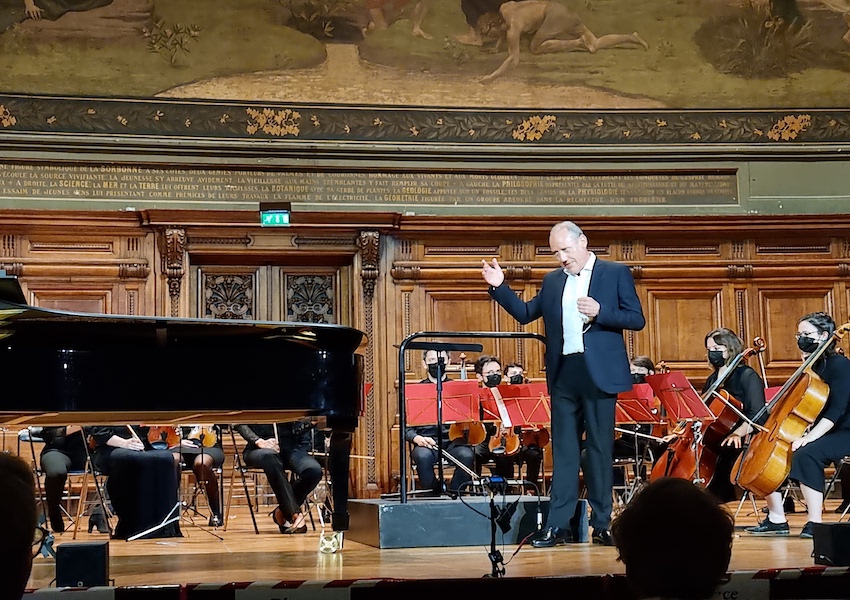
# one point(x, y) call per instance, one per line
point(722, 346)
point(813, 329)
point(641, 366)
point(675, 541)
point(17, 505)
point(515, 373)
point(430, 358)
point(488, 369)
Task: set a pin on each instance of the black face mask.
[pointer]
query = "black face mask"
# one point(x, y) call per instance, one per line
point(638, 378)
point(715, 357)
point(493, 380)
point(432, 370)
point(807, 344)
point(515, 379)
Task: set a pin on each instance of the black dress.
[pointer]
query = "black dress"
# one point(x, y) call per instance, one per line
point(142, 485)
point(746, 385)
point(808, 462)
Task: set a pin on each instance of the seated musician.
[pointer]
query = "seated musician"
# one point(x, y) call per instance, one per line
point(142, 484)
point(631, 446)
point(488, 371)
point(827, 440)
point(64, 450)
point(274, 448)
point(195, 453)
point(424, 439)
point(744, 384)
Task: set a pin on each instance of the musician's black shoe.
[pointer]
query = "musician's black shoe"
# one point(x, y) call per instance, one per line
point(553, 536)
point(808, 531)
point(216, 521)
point(768, 527)
point(57, 520)
point(602, 537)
point(842, 507)
point(97, 520)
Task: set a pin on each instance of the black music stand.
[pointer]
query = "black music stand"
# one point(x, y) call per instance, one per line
point(440, 347)
point(683, 404)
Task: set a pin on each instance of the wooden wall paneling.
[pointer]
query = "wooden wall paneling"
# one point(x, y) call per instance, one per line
point(780, 306)
point(229, 292)
point(463, 310)
point(98, 299)
point(678, 317)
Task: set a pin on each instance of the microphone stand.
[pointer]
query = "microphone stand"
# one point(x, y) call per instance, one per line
point(497, 562)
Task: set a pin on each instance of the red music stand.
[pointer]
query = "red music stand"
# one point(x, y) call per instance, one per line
point(679, 398)
point(683, 404)
point(527, 404)
point(460, 402)
point(637, 405)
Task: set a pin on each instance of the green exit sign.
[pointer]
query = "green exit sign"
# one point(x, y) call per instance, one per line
point(274, 219)
point(275, 214)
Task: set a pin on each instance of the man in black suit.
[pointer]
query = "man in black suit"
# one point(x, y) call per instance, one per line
point(586, 304)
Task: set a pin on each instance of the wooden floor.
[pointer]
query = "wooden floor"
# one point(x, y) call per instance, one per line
point(199, 557)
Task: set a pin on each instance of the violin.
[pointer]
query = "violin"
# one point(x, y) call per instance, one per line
point(468, 432)
point(505, 442)
point(766, 460)
point(205, 434)
point(535, 437)
point(162, 438)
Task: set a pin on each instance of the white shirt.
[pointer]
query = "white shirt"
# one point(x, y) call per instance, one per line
point(573, 321)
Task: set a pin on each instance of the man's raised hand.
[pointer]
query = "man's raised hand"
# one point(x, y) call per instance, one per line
point(492, 272)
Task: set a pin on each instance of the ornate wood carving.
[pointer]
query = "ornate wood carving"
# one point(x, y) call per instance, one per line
point(14, 268)
point(369, 243)
point(133, 271)
point(739, 271)
point(228, 296)
point(310, 298)
point(175, 247)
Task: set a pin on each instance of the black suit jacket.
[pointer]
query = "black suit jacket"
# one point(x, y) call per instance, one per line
point(612, 286)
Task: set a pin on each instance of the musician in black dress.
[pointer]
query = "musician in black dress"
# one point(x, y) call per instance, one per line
point(827, 440)
point(274, 451)
point(142, 482)
point(64, 451)
point(202, 457)
point(744, 384)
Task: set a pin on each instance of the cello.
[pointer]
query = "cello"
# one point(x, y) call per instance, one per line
point(694, 455)
point(766, 460)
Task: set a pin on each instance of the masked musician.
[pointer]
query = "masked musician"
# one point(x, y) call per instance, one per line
point(827, 440)
point(744, 384)
point(423, 439)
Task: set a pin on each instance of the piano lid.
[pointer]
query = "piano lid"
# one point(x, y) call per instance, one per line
point(68, 367)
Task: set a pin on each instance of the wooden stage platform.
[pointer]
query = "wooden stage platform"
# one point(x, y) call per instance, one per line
point(243, 556)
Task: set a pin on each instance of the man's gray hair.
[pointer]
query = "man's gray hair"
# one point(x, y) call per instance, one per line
point(571, 227)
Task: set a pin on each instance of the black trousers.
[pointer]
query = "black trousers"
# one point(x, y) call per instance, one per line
point(531, 456)
point(578, 407)
point(297, 459)
point(425, 459)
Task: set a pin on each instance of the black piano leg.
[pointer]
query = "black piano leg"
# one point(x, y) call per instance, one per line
point(338, 465)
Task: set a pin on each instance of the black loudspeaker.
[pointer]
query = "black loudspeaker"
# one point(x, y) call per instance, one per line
point(82, 564)
point(832, 544)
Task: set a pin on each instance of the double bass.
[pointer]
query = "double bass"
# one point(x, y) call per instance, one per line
point(766, 460)
point(688, 457)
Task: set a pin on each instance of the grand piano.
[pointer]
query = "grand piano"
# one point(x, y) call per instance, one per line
point(65, 368)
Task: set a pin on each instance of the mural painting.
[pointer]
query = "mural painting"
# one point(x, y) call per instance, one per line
point(566, 54)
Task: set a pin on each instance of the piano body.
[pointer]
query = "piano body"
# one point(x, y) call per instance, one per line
point(65, 368)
